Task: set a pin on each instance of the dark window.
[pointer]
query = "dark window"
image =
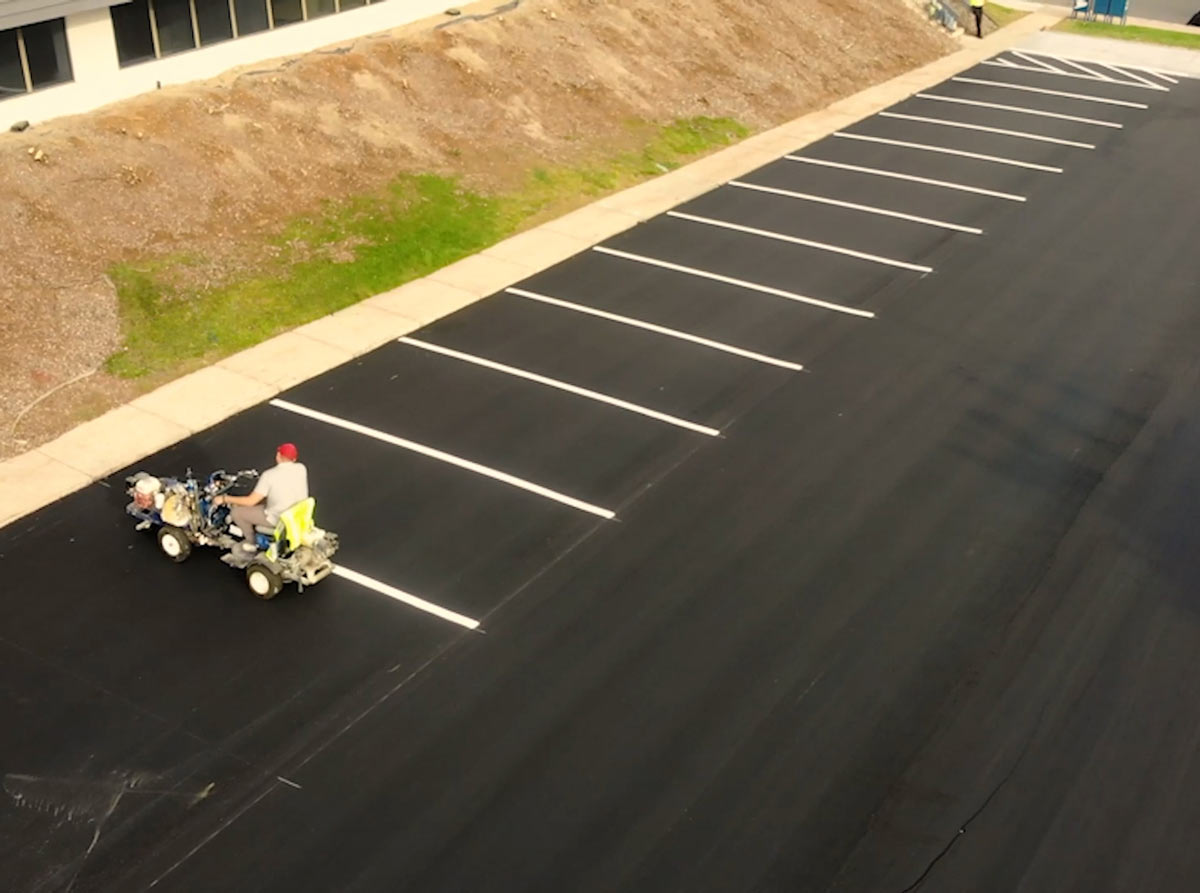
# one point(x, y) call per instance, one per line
point(251, 16)
point(318, 8)
point(174, 20)
point(12, 76)
point(46, 52)
point(353, 4)
point(213, 18)
point(287, 11)
point(131, 25)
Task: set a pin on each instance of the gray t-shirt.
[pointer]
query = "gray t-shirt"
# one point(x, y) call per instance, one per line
point(283, 486)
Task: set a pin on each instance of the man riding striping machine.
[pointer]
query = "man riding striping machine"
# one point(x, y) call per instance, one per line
point(279, 541)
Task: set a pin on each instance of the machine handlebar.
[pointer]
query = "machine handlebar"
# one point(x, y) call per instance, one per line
point(221, 481)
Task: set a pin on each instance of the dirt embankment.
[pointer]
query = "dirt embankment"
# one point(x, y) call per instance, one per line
point(211, 170)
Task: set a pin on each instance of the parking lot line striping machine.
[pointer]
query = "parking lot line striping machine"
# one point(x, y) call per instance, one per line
point(184, 513)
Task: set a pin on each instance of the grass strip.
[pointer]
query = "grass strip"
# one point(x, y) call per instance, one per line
point(1003, 15)
point(363, 246)
point(1187, 40)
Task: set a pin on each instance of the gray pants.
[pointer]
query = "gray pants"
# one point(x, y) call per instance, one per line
point(246, 516)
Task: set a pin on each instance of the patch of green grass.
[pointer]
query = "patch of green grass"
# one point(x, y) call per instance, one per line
point(1188, 40)
point(360, 247)
point(693, 135)
point(665, 148)
point(421, 224)
point(1004, 15)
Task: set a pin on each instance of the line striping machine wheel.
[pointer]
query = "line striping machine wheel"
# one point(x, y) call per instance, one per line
point(174, 543)
point(263, 581)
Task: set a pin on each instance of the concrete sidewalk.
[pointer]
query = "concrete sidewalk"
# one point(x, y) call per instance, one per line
point(194, 402)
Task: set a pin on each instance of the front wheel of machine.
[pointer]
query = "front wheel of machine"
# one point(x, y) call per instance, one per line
point(263, 581)
point(174, 543)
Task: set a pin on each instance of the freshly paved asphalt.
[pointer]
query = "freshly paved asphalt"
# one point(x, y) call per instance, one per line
point(925, 616)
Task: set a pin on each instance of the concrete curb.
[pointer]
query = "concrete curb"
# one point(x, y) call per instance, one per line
point(197, 401)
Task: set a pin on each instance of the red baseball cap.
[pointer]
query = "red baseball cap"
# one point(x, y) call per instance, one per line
point(288, 451)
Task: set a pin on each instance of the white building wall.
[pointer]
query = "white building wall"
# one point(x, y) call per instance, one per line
point(99, 79)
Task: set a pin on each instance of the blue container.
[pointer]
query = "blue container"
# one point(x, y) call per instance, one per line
point(1110, 8)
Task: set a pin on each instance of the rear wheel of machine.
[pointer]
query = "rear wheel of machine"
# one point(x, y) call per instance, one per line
point(263, 581)
point(174, 543)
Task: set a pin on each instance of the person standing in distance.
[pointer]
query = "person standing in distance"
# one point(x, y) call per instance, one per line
point(977, 8)
point(277, 490)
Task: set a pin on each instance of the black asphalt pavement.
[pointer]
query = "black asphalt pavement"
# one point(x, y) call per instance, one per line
point(924, 616)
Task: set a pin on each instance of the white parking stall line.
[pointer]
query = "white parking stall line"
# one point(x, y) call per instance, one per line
point(1033, 61)
point(1130, 74)
point(808, 243)
point(837, 203)
point(893, 175)
point(1122, 69)
point(1159, 74)
point(1025, 88)
point(943, 150)
point(442, 456)
point(999, 62)
point(729, 280)
point(937, 97)
point(560, 385)
point(1085, 69)
point(401, 596)
point(657, 329)
point(1071, 74)
point(942, 122)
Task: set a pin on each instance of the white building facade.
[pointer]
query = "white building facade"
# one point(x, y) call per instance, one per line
point(62, 57)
